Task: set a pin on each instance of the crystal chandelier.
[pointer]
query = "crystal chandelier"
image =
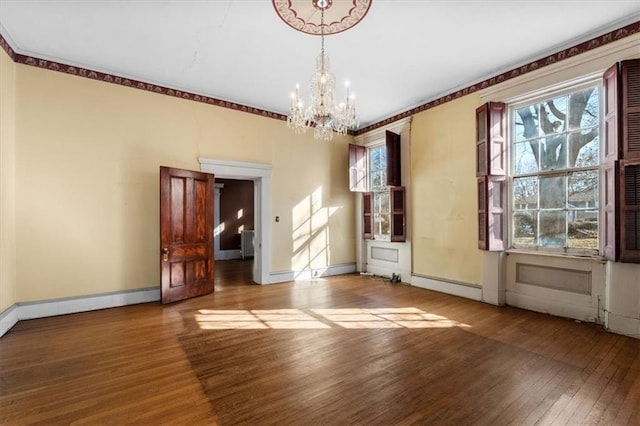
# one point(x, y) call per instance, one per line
point(322, 112)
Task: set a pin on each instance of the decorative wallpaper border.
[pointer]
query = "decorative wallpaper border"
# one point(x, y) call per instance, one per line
point(136, 84)
point(586, 46)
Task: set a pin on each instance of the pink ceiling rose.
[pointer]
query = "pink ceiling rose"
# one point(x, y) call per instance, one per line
point(304, 15)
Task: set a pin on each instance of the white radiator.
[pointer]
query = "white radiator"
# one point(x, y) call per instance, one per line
point(246, 244)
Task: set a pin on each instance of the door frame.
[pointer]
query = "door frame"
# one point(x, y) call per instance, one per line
point(260, 174)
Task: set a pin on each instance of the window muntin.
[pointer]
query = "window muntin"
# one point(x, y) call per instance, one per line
point(378, 186)
point(555, 155)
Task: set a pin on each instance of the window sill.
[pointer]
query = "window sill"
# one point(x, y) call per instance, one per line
point(382, 239)
point(591, 257)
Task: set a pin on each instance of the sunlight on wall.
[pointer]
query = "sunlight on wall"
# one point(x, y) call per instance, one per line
point(219, 229)
point(240, 213)
point(310, 233)
point(351, 318)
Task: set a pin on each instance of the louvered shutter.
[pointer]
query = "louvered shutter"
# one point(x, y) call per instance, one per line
point(630, 211)
point(398, 225)
point(629, 167)
point(367, 215)
point(630, 112)
point(394, 172)
point(357, 168)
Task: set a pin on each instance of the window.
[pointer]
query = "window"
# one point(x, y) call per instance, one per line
point(376, 173)
point(560, 163)
point(554, 170)
point(380, 191)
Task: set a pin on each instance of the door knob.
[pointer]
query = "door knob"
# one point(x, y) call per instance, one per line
point(165, 254)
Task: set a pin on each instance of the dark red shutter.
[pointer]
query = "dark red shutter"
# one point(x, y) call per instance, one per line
point(367, 215)
point(496, 198)
point(491, 164)
point(610, 196)
point(491, 132)
point(629, 168)
point(482, 157)
point(481, 189)
point(398, 225)
point(629, 211)
point(357, 168)
point(610, 192)
point(497, 128)
point(394, 172)
point(630, 112)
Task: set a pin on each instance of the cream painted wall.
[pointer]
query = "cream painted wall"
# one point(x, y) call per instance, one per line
point(87, 160)
point(7, 183)
point(316, 215)
point(444, 192)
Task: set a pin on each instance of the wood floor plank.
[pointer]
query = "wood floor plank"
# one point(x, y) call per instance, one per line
point(336, 351)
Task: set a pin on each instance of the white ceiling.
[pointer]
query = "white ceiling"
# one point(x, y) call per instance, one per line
point(403, 54)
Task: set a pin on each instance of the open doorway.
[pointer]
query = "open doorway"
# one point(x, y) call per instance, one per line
point(234, 219)
point(260, 175)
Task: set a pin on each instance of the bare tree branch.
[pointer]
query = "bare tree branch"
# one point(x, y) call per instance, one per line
point(559, 114)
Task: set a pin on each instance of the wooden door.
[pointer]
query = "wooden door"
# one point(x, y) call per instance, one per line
point(186, 233)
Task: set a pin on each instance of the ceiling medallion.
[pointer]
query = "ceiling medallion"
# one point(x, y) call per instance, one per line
point(339, 15)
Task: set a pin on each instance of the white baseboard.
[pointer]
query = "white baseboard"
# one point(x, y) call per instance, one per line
point(8, 319)
point(457, 289)
point(310, 273)
point(621, 324)
point(228, 255)
point(71, 305)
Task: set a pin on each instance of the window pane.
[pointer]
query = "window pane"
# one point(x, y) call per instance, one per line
point(381, 208)
point(378, 180)
point(524, 229)
point(525, 193)
point(553, 153)
point(552, 232)
point(378, 167)
point(381, 224)
point(525, 161)
point(585, 148)
point(583, 189)
point(526, 123)
point(381, 202)
point(584, 109)
point(553, 115)
point(583, 229)
point(552, 192)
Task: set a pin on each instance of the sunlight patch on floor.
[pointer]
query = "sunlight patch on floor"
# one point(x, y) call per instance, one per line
point(349, 318)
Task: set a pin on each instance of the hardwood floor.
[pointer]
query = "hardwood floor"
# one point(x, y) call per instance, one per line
point(344, 350)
